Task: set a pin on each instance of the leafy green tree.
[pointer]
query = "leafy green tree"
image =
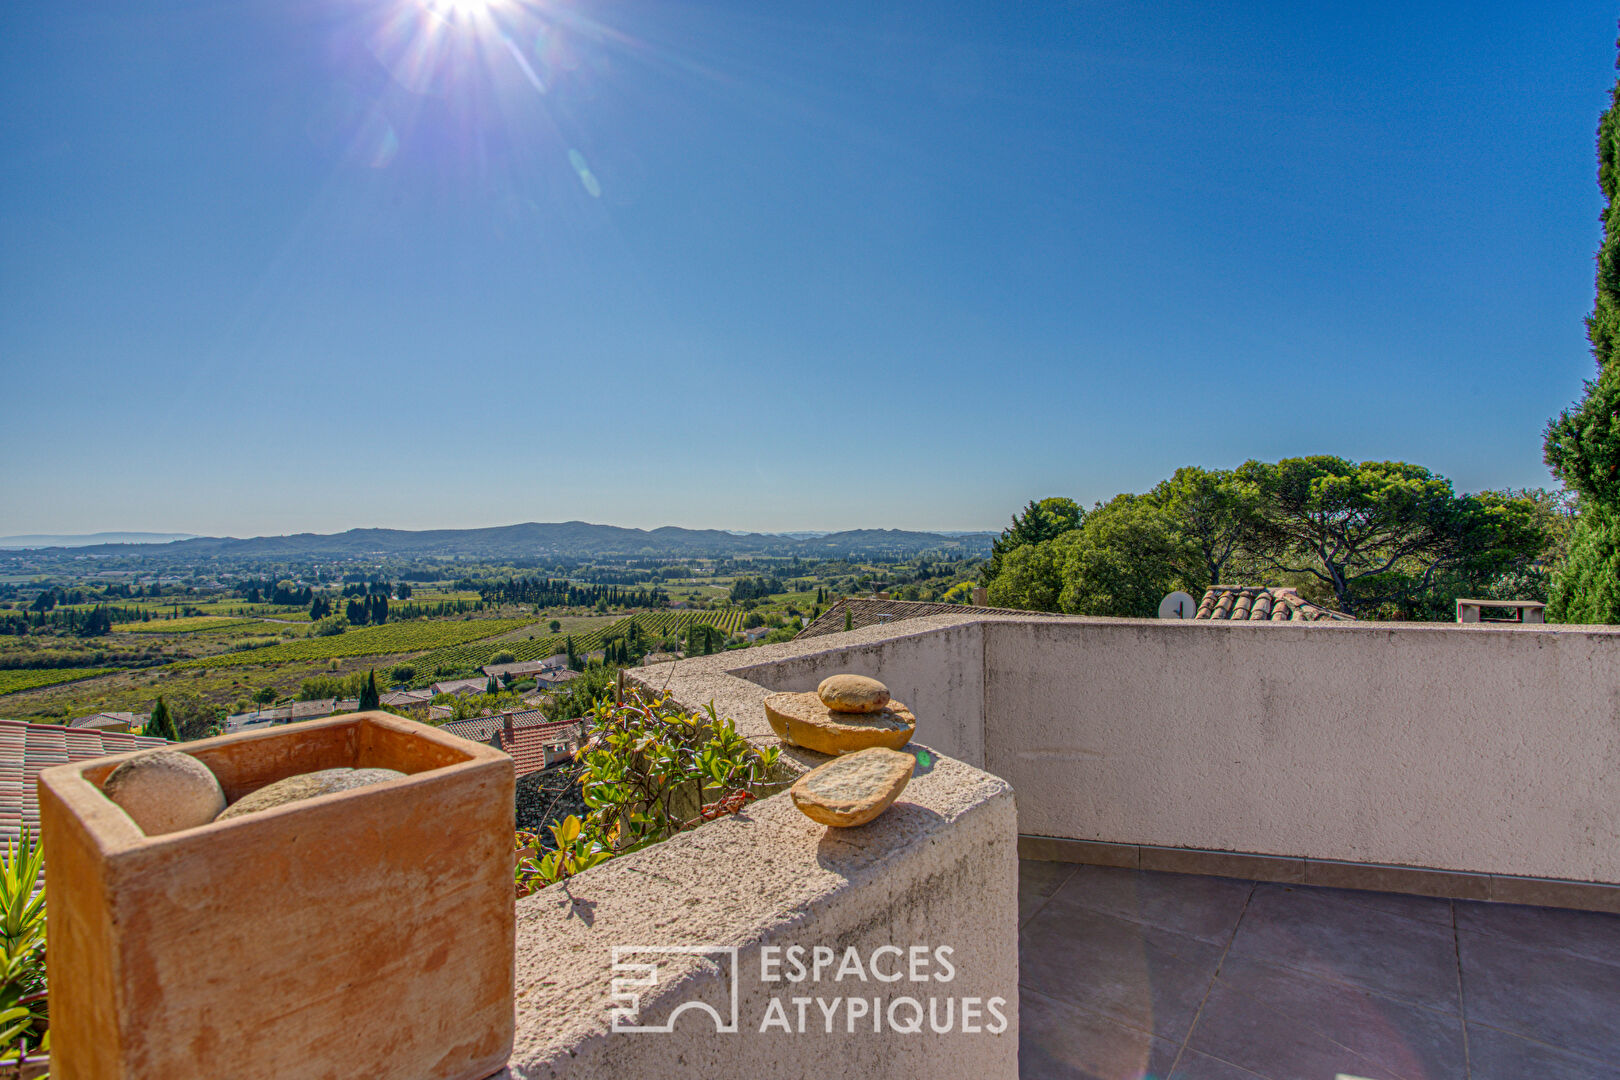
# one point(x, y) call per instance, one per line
point(1582, 446)
point(1122, 560)
point(264, 695)
point(555, 626)
point(403, 673)
point(1376, 532)
point(1031, 577)
point(1040, 521)
point(1215, 514)
point(369, 698)
point(160, 723)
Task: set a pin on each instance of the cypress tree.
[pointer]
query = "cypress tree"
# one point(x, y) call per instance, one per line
point(1582, 446)
point(849, 620)
point(491, 688)
point(369, 698)
point(160, 723)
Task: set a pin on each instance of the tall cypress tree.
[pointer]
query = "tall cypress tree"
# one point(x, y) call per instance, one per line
point(1583, 445)
point(369, 698)
point(161, 724)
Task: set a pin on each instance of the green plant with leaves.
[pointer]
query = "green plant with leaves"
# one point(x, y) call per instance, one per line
point(649, 770)
point(24, 1020)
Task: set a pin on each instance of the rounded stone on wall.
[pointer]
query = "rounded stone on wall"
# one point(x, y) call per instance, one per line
point(853, 694)
point(164, 791)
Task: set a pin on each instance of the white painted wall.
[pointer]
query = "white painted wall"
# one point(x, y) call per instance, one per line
point(1474, 749)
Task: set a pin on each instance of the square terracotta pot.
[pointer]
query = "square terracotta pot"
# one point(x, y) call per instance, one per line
point(368, 933)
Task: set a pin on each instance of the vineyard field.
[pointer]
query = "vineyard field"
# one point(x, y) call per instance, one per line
point(15, 680)
point(184, 626)
point(386, 640)
point(654, 624)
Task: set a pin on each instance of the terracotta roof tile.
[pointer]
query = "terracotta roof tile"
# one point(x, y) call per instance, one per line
point(25, 749)
point(1253, 603)
point(527, 745)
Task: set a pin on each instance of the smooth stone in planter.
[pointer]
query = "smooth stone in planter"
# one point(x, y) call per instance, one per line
point(803, 720)
point(853, 789)
point(307, 786)
point(164, 791)
point(853, 694)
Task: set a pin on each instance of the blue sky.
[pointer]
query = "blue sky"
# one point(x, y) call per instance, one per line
point(286, 265)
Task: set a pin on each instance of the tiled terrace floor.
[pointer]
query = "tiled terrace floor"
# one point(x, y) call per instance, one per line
point(1128, 974)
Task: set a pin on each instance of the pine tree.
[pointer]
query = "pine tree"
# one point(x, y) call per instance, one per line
point(161, 724)
point(1583, 445)
point(369, 698)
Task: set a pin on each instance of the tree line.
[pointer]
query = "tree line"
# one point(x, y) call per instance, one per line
point(552, 592)
point(1373, 539)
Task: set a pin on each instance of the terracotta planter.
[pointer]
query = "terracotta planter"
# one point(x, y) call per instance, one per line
point(364, 933)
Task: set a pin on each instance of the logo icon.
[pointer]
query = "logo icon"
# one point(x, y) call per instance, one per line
point(641, 975)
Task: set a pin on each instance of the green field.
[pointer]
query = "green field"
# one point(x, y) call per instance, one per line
point(185, 626)
point(654, 624)
point(402, 637)
point(17, 679)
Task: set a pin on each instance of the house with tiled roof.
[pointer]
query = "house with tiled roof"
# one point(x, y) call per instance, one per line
point(538, 745)
point(533, 741)
point(523, 669)
point(25, 749)
point(460, 687)
point(1253, 603)
point(111, 721)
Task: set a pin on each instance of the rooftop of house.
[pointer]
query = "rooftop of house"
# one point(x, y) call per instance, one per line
point(483, 728)
point(529, 745)
point(1254, 603)
point(524, 668)
point(25, 749)
point(460, 686)
point(400, 698)
point(111, 721)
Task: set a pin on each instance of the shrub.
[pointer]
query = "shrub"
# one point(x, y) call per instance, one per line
point(402, 673)
point(648, 771)
point(331, 626)
point(503, 658)
point(23, 1015)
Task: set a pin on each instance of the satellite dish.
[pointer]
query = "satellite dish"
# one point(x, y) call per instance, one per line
point(1178, 605)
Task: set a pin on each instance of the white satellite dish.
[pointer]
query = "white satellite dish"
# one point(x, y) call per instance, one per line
point(1178, 605)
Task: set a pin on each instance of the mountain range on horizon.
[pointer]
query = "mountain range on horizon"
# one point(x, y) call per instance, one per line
point(569, 539)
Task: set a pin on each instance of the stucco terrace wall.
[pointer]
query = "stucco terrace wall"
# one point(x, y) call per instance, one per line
point(939, 868)
point(1476, 749)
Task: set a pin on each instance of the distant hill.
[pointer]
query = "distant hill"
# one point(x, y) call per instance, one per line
point(569, 539)
point(91, 539)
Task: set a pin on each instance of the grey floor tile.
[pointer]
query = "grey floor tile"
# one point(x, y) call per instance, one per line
point(1244, 1032)
point(1196, 1066)
point(1273, 1019)
point(1142, 976)
point(1203, 907)
point(1429, 909)
point(1399, 957)
point(1059, 1041)
point(1592, 934)
point(1566, 1001)
point(1037, 881)
point(1496, 1055)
